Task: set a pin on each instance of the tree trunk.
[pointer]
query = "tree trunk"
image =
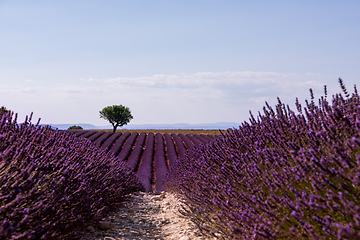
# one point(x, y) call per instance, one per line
point(114, 130)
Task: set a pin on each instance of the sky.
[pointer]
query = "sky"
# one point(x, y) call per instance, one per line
point(168, 61)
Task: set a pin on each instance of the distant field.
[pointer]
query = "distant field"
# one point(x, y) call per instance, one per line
point(162, 131)
point(149, 152)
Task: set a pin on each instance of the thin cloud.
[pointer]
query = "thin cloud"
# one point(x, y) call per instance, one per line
point(29, 91)
point(198, 97)
point(220, 80)
point(14, 91)
point(226, 87)
point(74, 89)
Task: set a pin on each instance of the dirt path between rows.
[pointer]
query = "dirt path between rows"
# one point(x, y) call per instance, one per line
point(145, 216)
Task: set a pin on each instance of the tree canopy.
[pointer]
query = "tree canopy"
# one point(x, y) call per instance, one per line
point(117, 115)
point(75, 127)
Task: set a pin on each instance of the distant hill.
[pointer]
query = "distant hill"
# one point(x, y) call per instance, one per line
point(219, 125)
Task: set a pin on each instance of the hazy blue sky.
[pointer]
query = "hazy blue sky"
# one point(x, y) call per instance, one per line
point(198, 61)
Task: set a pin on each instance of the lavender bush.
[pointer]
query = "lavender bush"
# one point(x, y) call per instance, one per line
point(118, 144)
point(145, 171)
point(202, 138)
point(127, 147)
point(77, 133)
point(52, 184)
point(95, 136)
point(161, 170)
point(179, 145)
point(108, 143)
point(189, 145)
point(88, 134)
point(170, 149)
point(135, 155)
point(283, 175)
point(98, 142)
point(193, 139)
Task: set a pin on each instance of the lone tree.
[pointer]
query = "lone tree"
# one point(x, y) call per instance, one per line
point(117, 115)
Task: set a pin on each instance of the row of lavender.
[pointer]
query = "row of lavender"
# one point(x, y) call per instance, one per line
point(53, 184)
point(149, 155)
point(281, 176)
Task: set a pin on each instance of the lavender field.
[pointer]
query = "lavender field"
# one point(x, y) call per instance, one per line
point(149, 155)
point(53, 184)
point(282, 175)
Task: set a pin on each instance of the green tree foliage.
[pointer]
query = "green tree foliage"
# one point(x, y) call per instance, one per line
point(117, 115)
point(74, 127)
